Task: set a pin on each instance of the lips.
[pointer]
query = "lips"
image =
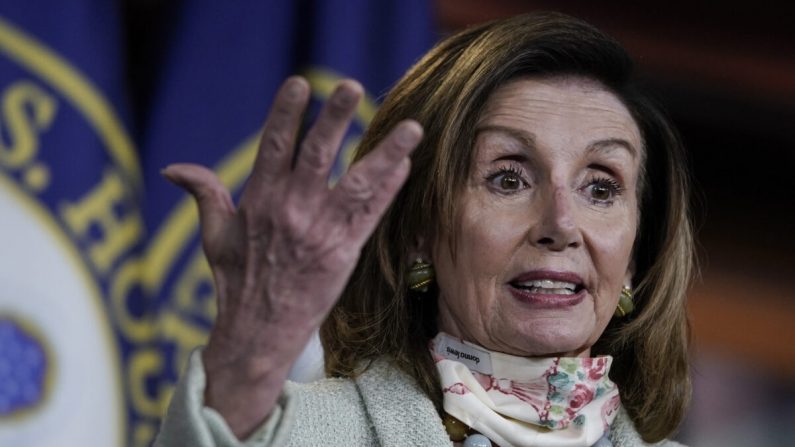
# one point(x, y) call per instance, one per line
point(548, 289)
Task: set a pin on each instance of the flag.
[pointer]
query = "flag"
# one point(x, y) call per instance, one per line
point(104, 290)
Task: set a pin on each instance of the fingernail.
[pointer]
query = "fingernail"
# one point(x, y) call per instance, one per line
point(407, 135)
point(345, 97)
point(168, 174)
point(294, 88)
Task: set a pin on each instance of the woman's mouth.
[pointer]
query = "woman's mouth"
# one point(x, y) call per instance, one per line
point(547, 286)
point(548, 290)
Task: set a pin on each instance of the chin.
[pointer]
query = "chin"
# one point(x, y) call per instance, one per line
point(554, 338)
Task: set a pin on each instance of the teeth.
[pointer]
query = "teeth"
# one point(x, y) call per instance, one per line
point(551, 291)
point(547, 285)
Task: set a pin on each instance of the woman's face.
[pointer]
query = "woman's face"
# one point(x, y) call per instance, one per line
point(547, 220)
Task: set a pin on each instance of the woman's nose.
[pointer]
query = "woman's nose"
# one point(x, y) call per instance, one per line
point(556, 226)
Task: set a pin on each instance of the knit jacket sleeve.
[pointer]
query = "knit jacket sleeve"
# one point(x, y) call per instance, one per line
point(334, 407)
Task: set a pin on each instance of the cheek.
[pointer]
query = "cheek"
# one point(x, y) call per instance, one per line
point(487, 241)
point(611, 252)
point(615, 248)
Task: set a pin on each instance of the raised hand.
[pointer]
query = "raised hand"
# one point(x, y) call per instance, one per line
point(281, 259)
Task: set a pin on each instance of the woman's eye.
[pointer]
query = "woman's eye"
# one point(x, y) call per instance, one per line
point(603, 190)
point(507, 180)
point(510, 182)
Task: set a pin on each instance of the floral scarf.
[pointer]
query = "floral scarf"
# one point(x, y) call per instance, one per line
point(517, 401)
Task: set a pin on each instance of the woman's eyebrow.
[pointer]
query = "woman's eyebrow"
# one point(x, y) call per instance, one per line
point(527, 139)
point(611, 144)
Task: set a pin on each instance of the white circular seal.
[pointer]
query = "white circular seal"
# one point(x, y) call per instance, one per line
point(50, 305)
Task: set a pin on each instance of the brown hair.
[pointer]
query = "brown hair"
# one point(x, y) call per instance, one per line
point(446, 91)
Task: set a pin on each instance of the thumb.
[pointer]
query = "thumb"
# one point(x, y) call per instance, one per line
point(213, 199)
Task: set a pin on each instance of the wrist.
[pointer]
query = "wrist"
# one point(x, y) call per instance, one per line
point(243, 391)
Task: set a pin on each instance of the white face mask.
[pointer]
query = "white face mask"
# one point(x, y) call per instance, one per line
point(517, 401)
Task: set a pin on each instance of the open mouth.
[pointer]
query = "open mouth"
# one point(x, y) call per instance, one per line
point(548, 287)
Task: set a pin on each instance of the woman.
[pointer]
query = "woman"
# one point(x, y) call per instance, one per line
point(544, 194)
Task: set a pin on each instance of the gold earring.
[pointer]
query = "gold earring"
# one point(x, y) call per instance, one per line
point(625, 304)
point(420, 276)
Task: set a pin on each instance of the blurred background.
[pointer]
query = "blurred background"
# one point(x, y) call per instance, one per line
point(103, 289)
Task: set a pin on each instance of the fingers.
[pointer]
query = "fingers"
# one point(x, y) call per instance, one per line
point(213, 199)
point(363, 194)
point(320, 146)
point(278, 138)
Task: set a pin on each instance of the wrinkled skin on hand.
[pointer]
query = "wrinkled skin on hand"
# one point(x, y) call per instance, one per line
point(281, 258)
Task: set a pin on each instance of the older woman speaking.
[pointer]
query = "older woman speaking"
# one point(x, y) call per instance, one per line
point(515, 276)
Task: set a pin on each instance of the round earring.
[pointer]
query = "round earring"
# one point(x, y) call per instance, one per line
point(625, 304)
point(420, 276)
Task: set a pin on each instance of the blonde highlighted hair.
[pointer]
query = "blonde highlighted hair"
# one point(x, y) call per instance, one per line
point(445, 91)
